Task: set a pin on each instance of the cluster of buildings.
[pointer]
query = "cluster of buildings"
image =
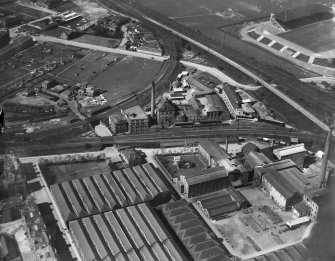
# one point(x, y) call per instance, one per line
point(43, 3)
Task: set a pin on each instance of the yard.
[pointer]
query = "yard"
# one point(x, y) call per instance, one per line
point(188, 166)
point(260, 228)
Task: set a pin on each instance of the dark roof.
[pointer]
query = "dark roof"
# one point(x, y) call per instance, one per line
point(197, 237)
point(9, 249)
point(231, 94)
point(213, 149)
point(217, 102)
point(297, 252)
point(301, 12)
point(99, 193)
point(249, 147)
point(166, 106)
point(288, 182)
point(124, 234)
point(28, 170)
point(207, 175)
point(302, 208)
point(130, 154)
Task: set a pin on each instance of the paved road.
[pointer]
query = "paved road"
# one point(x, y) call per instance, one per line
point(246, 71)
point(220, 75)
point(100, 48)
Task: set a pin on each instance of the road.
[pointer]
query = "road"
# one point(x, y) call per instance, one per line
point(247, 72)
point(100, 48)
point(220, 75)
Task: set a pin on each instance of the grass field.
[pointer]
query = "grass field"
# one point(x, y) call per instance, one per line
point(126, 76)
point(98, 40)
point(317, 37)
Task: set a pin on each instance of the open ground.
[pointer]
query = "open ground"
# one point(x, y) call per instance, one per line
point(248, 233)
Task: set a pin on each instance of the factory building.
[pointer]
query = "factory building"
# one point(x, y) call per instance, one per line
point(118, 123)
point(218, 204)
point(314, 199)
point(138, 121)
point(286, 187)
point(295, 152)
point(212, 155)
point(232, 100)
point(132, 233)
point(203, 182)
point(194, 233)
point(166, 113)
point(104, 192)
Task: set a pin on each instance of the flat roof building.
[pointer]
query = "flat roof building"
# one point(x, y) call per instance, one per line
point(203, 182)
point(132, 233)
point(118, 123)
point(138, 120)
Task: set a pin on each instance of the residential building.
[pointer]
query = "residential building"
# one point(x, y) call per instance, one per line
point(166, 113)
point(295, 152)
point(118, 123)
point(232, 100)
point(138, 120)
point(212, 155)
point(131, 157)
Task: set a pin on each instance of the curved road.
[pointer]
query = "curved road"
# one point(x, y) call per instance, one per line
point(247, 72)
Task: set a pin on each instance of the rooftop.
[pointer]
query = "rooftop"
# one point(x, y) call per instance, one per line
point(213, 149)
point(125, 234)
point(206, 175)
point(136, 113)
point(254, 159)
point(285, 151)
point(231, 94)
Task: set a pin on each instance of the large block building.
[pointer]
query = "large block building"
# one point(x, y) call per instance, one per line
point(295, 152)
point(212, 155)
point(138, 121)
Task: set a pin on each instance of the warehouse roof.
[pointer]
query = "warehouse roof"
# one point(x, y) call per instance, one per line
point(232, 96)
point(100, 193)
point(221, 202)
point(286, 151)
point(129, 233)
point(197, 237)
point(288, 182)
point(302, 208)
point(254, 159)
point(216, 102)
point(206, 175)
point(297, 252)
point(213, 149)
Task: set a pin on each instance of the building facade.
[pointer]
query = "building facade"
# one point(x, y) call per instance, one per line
point(295, 152)
point(138, 121)
point(118, 123)
point(166, 113)
point(232, 101)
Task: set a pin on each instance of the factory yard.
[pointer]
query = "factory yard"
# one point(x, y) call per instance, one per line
point(258, 228)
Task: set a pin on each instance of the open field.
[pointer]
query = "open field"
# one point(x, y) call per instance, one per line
point(129, 75)
point(98, 40)
point(317, 37)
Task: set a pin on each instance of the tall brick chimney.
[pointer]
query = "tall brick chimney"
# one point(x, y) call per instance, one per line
point(323, 180)
point(153, 98)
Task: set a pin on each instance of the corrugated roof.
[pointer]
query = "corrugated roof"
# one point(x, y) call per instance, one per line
point(98, 200)
point(63, 205)
point(127, 189)
point(81, 212)
point(213, 149)
point(89, 206)
point(153, 174)
point(140, 190)
point(159, 252)
point(120, 197)
point(82, 240)
point(146, 181)
point(107, 194)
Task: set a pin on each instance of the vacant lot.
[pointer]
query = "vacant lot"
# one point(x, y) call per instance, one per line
point(98, 40)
